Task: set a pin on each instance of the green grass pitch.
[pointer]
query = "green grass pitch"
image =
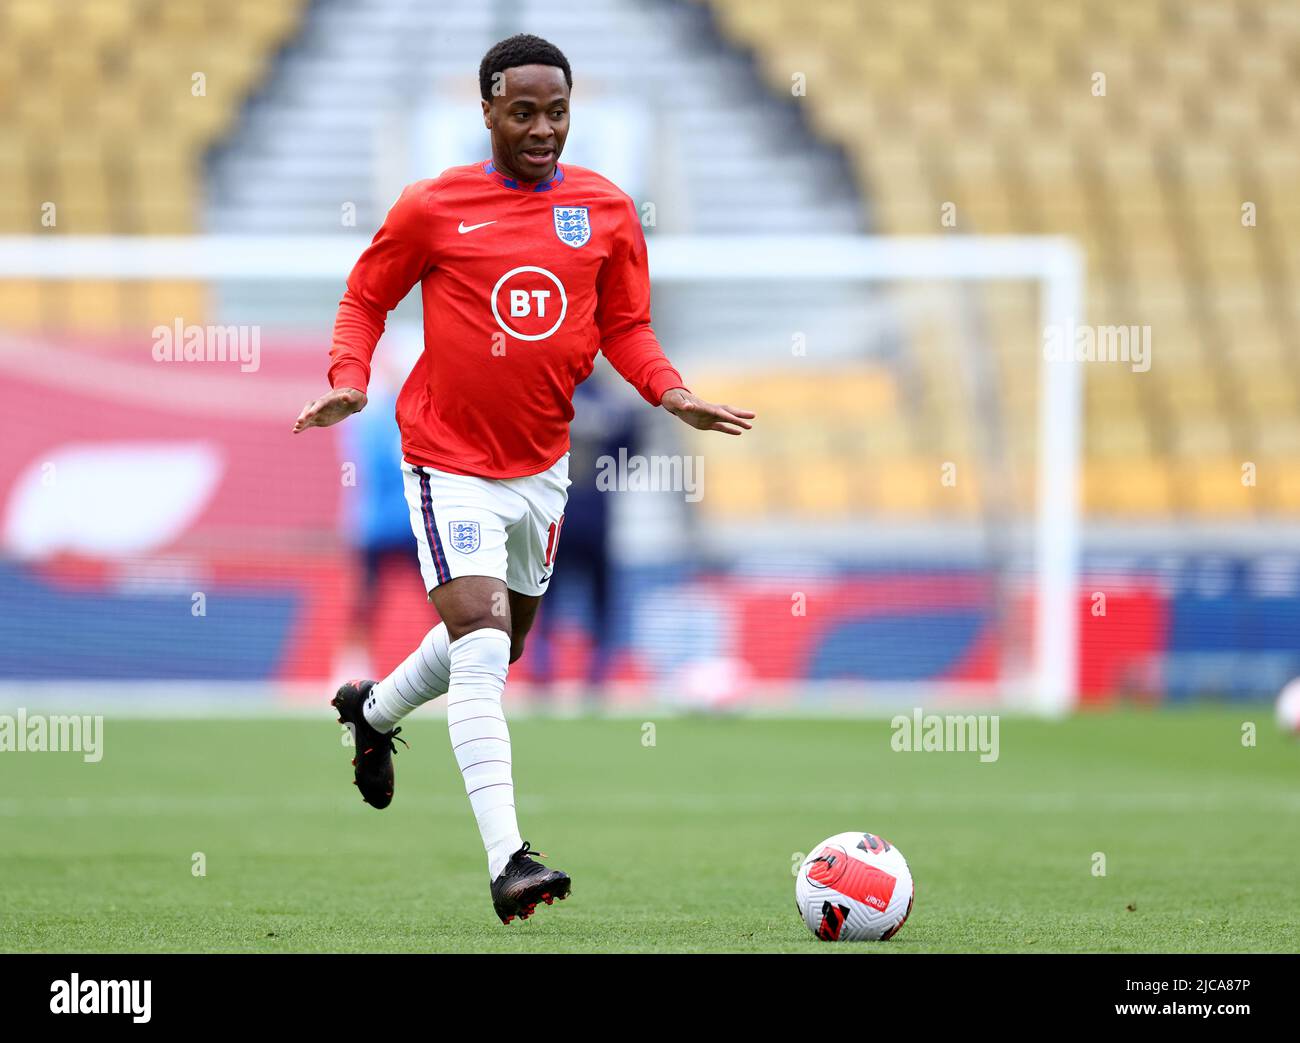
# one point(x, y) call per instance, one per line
point(684, 845)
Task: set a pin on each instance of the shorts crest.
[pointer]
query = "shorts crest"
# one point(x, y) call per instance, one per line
point(464, 536)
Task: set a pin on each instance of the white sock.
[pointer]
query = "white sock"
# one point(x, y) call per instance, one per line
point(422, 676)
point(481, 741)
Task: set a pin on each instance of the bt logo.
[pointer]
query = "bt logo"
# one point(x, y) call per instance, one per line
point(533, 301)
point(519, 302)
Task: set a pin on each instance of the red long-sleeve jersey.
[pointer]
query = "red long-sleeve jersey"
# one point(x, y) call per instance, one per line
point(521, 284)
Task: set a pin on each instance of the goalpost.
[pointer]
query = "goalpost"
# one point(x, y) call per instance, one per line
point(1055, 265)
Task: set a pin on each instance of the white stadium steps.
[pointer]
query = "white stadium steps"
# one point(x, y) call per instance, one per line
point(723, 156)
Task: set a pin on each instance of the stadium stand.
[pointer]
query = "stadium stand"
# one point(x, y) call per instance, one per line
point(995, 108)
point(1197, 120)
point(114, 129)
point(1151, 176)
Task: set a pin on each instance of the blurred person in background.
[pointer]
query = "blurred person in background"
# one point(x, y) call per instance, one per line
point(603, 422)
point(377, 522)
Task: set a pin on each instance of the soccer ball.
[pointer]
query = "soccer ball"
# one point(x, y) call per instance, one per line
point(1288, 708)
point(854, 887)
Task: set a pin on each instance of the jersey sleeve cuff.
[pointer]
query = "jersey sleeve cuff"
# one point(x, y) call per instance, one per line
point(350, 375)
point(661, 381)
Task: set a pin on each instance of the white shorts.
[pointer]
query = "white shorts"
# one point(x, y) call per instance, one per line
point(508, 528)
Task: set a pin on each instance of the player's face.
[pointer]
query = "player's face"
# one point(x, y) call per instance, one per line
point(529, 121)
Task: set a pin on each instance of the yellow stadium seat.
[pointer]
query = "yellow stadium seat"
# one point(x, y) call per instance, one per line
point(20, 304)
point(882, 436)
point(735, 487)
point(821, 488)
point(866, 393)
point(161, 302)
point(1278, 480)
point(93, 305)
point(1137, 486)
point(1278, 434)
point(32, 19)
point(905, 486)
point(1219, 486)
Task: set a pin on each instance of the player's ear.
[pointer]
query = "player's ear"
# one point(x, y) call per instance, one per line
point(487, 113)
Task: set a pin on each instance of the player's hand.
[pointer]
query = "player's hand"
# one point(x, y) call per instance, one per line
point(705, 416)
point(330, 409)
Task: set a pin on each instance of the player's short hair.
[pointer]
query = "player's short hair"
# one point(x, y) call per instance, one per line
point(520, 49)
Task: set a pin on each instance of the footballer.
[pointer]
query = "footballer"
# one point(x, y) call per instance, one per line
point(526, 268)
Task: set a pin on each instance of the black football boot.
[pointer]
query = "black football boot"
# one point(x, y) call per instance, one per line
point(373, 764)
point(523, 883)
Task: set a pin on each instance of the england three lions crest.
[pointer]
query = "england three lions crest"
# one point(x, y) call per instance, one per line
point(464, 536)
point(572, 225)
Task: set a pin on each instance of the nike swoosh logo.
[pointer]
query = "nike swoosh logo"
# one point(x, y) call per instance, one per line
point(469, 228)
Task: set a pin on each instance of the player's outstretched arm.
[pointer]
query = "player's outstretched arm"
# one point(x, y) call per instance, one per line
point(330, 408)
point(705, 415)
point(396, 259)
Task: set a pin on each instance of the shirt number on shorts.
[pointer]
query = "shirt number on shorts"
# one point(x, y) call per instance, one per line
point(552, 541)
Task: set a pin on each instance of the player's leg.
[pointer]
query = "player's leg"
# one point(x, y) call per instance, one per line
point(480, 740)
point(420, 677)
point(457, 532)
point(426, 672)
point(523, 612)
point(531, 548)
point(472, 520)
point(532, 545)
point(478, 613)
